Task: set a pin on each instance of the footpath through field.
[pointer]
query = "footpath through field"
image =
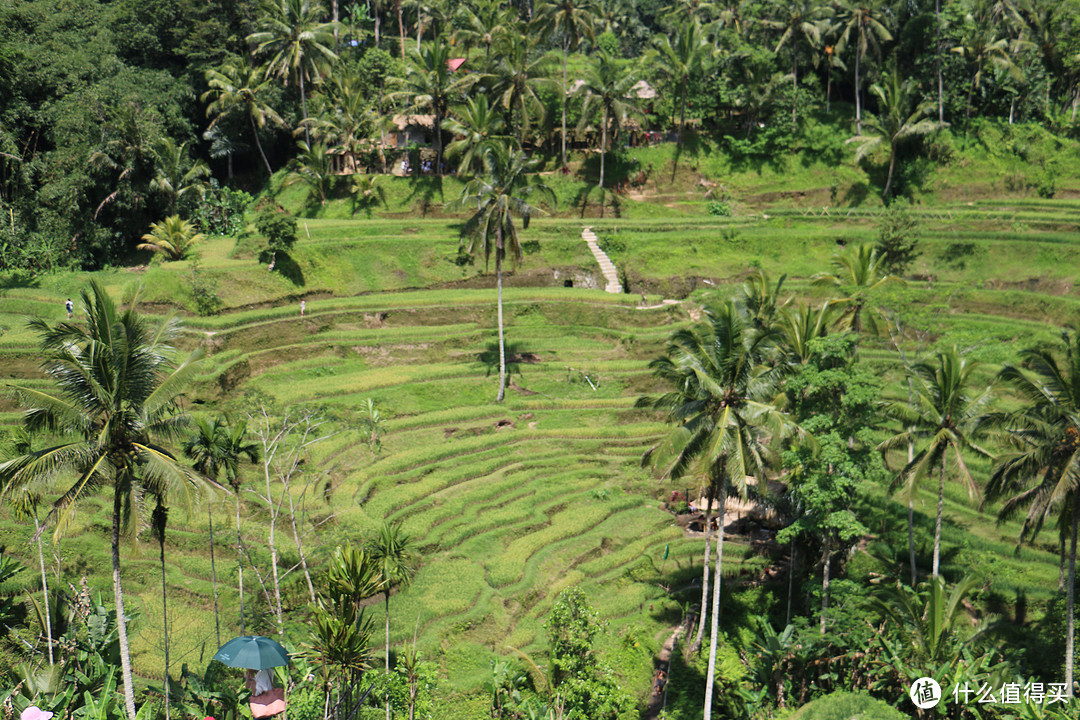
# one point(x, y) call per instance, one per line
point(606, 266)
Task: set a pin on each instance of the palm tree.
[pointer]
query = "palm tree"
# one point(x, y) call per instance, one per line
point(944, 420)
point(721, 405)
point(861, 19)
point(311, 167)
point(345, 119)
point(500, 193)
point(859, 270)
point(800, 324)
point(516, 81)
point(236, 86)
point(484, 25)
point(690, 56)
point(608, 89)
point(117, 392)
point(172, 237)
point(900, 116)
point(477, 128)
point(394, 553)
point(573, 21)
point(175, 175)
point(984, 46)
point(1046, 433)
point(800, 19)
point(430, 85)
point(297, 43)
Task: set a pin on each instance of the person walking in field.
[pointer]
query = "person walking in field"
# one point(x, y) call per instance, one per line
point(303, 306)
point(70, 308)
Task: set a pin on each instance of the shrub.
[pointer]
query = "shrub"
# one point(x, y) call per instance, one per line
point(278, 227)
point(845, 705)
point(720, 209)
point(898, 238)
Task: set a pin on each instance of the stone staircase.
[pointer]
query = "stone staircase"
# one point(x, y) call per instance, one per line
point(607, 268)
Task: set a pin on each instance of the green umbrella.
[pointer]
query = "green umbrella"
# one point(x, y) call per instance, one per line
point(254, 652)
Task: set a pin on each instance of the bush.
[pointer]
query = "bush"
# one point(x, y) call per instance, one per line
point(844, 705)
point(278, 227)
point(720, 209)
point(898, 239)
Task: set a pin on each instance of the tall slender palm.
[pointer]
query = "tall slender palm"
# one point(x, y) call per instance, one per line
point(721, 406)
point(858, 271)
point(236, 86)
point(500, 193)
point(517, 78)
point(483, 25)
point(985, 45)
point(608, 90)
point(1043, 473)
point(862, 23)
point(799, 19)
point(176, 176)
point(345, 118)
point(901, 114)
point(571, 21)
point(944, 421)
point(689, 56)
point(394, 553)
point(477, 128)
point(429, 85)
point(299, 45)
point(117, 392)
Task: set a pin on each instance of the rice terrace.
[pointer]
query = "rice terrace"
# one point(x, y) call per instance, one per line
point(640, 392)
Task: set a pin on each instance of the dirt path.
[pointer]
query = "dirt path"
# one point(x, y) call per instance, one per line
point(606, 266)
point(658, 691)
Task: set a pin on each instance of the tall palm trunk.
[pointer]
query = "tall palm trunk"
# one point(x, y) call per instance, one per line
point(603, 154)
point(375, 12)
point(258, 144)
point(892, 164)
point(118, 599)
point(940, 82)
point(400, 28)
point(213, 572)
point(695, 644)
point(940, 510)
point(239, 563)
point(1070, 627)
point(160, 520)
point(386, 597)
point(911, 518)
point(303, 107)
point(792, 554)
point(794, 80)
point(502, 343)
point(566, 52)
point(826, 566)
point(44, 587)
point(278, 614)
point(714, 629)
point(858, 102)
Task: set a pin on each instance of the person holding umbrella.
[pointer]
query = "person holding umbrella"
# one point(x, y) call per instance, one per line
point(257, 654)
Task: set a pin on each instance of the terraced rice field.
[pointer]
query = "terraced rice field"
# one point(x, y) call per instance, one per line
point(510, 503)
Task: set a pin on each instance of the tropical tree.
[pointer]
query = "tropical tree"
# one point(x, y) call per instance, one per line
point(298, 44)
point(483, 25)
point(984, 45)
point(608, 89)
point(478, 128)
point(172, 237)
point(345, 118)
point(175, 175)
point(311, 167)
point(429, 85)
point(235, 87)
point(394, 553)
point(721, 406)
point(799, 19)
point(901, 114)
point(689, 57)
point(942, 422)
point(117, 389)
point(800, 325)
point(570, 21)
point(859, 270)
point(516, 80)
point(501, 192)
point(862, 24)
point(1040, 477)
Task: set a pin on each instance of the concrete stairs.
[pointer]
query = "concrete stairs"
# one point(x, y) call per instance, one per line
point(607, 268)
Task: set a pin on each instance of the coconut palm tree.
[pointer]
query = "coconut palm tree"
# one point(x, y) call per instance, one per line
point(477, 128)
point(345, 118)
point(721, 406)
point(985, 45)
point(570, 21)
point(799, 19)
point(172, 237)
point(311, 167)
point(516, 80)
point(117, 390)
point(943, 420)
point(429, 85)
point(901, 114)
point(299, 45)
point(1042, 474)
point(501, 192)
point(175, 175)
point(608, 90)
point(691, 55)
point(863, 25)
point(483, 25)
point(859, 270)
point(394, 554)
point(235, 87)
